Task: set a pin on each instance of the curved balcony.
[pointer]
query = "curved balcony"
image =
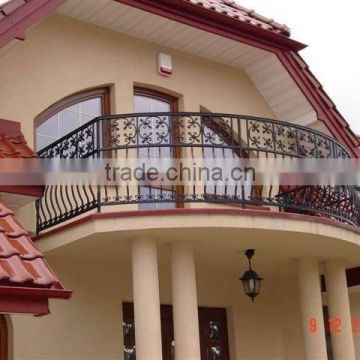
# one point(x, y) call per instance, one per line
point(185, 134)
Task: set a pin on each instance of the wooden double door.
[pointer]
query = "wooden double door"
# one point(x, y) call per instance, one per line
point(212, 328)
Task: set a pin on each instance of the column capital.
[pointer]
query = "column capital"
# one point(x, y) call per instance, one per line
point(143, 238)
point(335, 260)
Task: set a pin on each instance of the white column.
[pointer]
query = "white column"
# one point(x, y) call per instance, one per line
point(184, 298)
point(311, 308)
point(146, 299)
point(339, 307)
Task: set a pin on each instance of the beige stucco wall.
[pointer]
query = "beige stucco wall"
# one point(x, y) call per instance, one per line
point(354, 297)
point(61, 56)
point(94, 260)
point(89, 325)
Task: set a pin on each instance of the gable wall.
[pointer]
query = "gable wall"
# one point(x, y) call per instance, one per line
point(61, 56)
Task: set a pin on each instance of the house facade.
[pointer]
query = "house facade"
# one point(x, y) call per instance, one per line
point(155, 269)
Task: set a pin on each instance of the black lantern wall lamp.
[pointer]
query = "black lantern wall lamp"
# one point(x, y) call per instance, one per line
point(251, 280)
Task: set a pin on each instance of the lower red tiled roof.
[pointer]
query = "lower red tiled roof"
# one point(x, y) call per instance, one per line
point(20, 261)
point(23, 267)
point(26, 280)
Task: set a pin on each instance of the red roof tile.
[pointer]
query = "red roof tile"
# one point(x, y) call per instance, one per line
point(22, 266)
point(232, 9)
point(13, 145)
point(12, 141)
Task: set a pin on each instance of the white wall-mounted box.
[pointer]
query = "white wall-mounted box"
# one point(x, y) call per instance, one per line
point(165, 64)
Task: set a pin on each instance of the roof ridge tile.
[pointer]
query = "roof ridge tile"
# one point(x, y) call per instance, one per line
point(236, 11)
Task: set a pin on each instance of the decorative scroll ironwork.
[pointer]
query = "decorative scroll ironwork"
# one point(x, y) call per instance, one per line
point(160, 133)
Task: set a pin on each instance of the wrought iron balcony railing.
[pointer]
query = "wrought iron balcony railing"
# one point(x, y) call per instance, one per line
point(170, 134)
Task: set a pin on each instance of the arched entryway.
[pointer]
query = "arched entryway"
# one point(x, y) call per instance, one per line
point(3, 338)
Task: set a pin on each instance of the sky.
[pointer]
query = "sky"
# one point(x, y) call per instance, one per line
point(331, 29)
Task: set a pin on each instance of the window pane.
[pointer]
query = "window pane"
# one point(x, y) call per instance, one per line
point(49, 127)
point(43, 141)
point(91, 107)
point(215, 330)
point(68, 121)
point(86, 118)
point(74, 107)
point(142, 104)
point(160, 106)
point(129, 352)
point(217, 353)
point(148, 193)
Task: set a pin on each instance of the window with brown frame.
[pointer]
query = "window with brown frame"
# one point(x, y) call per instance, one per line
point(70, 113)
point(148, 101)
point(156, 95)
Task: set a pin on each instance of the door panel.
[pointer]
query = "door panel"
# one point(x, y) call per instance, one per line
point(213, 334)
point(212, 328)
point(3, 338)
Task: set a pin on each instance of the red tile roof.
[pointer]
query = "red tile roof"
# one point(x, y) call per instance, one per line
point(23, 269)
point(20, 262)
point(26, 280)
point(232, 9)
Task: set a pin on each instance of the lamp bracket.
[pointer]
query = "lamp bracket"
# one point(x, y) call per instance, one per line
point(249, 253)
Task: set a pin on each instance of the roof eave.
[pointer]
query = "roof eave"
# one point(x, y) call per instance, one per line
point(32, 190)
point(14, 25)
point(26, 300)
point(221, 24)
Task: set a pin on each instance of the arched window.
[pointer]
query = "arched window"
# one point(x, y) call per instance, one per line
point(3, 338)
point(69, 113)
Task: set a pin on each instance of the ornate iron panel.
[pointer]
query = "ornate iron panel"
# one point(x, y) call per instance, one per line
point(159, 134)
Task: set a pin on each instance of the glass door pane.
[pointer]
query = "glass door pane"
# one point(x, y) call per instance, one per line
point(152, 131)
